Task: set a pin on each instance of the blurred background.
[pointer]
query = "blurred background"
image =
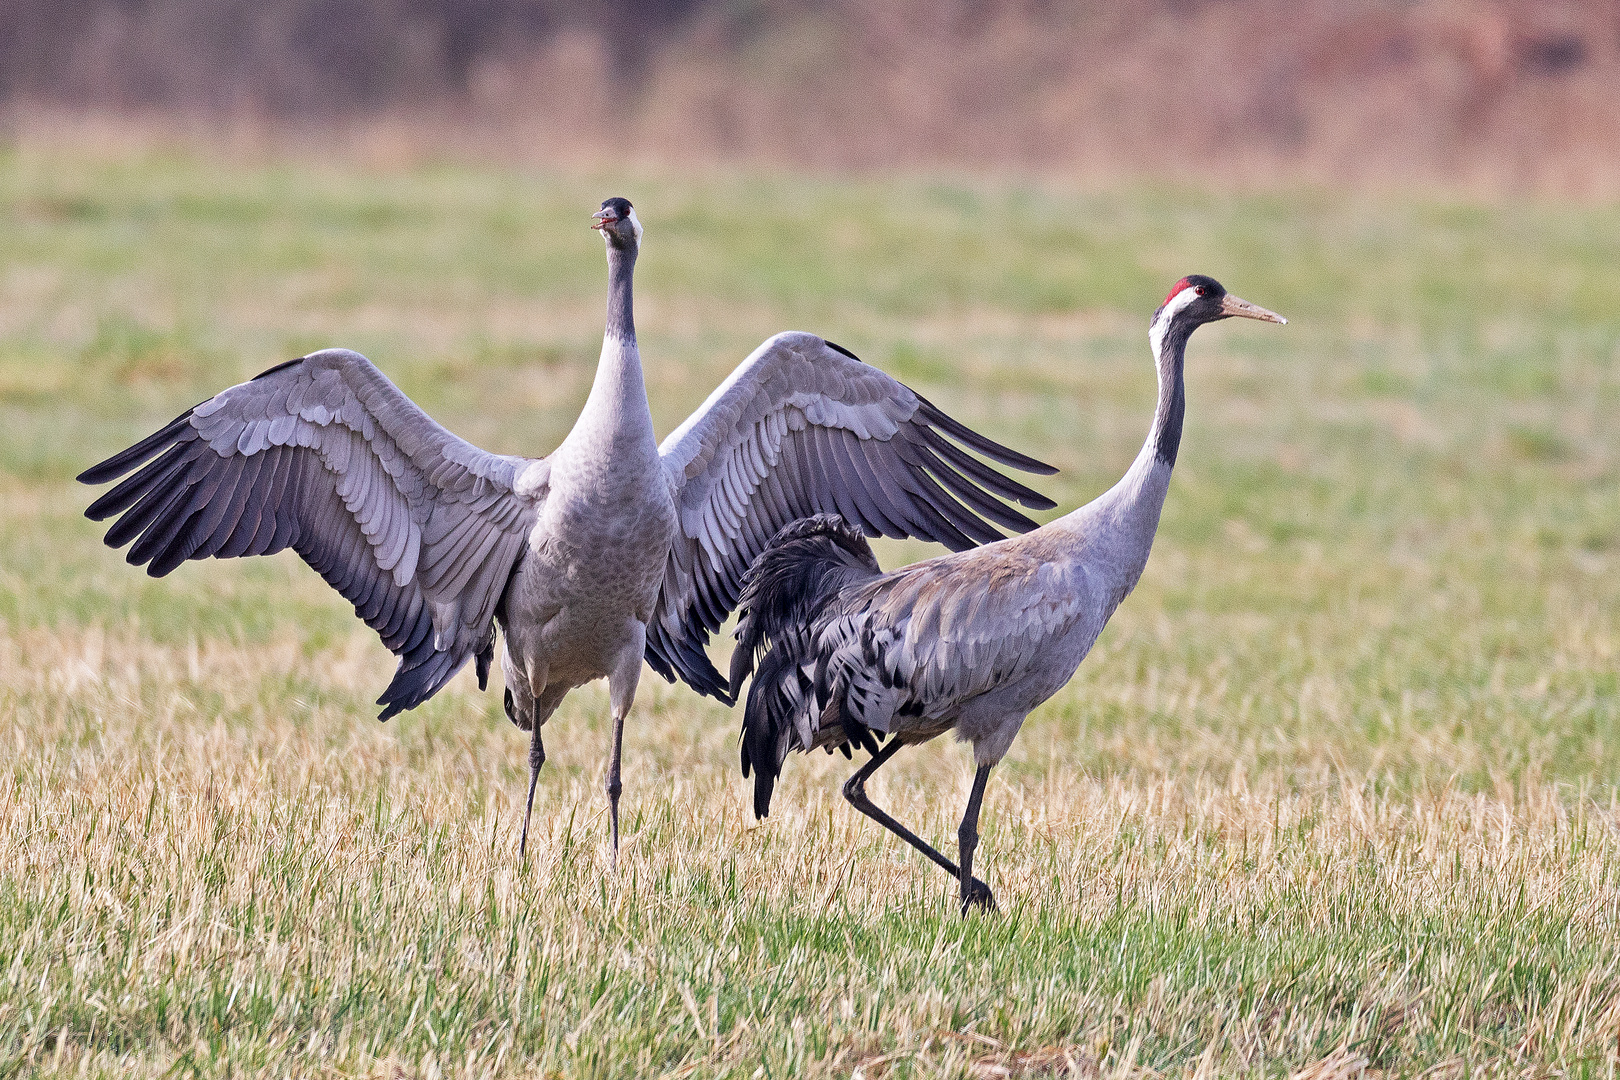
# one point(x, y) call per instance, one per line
point(1495, 93)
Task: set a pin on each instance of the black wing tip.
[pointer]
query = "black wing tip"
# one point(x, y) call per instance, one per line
point(397, 699)
point(764, 768)
point(103, 472)
point(1006, 455)
point(700, 675)
point(1026, 463)
point(835, 347)
point(742, 666)
point(166, 562)
point(720, 691)
point(128, 459)
point(284, 365)
point(419, 677)
point(98, 510)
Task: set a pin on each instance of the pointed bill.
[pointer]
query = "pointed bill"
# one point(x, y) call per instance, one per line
point(1231, 305)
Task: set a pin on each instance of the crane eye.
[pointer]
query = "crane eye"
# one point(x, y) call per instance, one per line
point(1200, 290)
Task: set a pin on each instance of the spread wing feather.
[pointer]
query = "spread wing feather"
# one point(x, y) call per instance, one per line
point(417, 528)
point(803, 427)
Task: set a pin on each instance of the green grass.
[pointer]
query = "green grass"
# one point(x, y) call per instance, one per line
point(1336, 790)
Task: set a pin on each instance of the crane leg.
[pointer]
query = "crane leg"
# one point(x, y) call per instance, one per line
point(614, 786)
point(537, 758)
point(530, 701)
point(975, 893)
point(855, 792)
point(621, 694)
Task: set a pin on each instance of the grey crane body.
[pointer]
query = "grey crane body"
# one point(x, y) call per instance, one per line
point(969, 642)
point(612, 549)
point(581, 596)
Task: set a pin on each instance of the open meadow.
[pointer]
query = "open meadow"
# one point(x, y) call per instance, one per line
point(1335, 792)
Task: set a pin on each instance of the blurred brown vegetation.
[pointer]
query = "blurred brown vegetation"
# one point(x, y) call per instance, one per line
point(1515, 92)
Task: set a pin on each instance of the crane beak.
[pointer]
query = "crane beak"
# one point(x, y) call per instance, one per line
point(603, 219)
point(1231, 305)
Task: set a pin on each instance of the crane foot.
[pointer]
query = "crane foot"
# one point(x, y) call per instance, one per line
point(977, 895)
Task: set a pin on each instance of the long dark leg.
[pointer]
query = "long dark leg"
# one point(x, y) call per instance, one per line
point(614, 786)
point(855, 792)
point(621, 695)
point(537, 758)
point(975, 893)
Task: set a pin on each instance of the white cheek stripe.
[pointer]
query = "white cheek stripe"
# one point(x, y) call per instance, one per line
point(635, 223)
point(1167, 313)
point(1183, 298)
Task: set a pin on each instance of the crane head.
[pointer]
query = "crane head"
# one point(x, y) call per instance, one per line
point(617, 223)
point(1198, 299)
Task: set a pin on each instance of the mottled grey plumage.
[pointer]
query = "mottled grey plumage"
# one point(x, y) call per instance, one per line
point(611, 549)
point(968, 642)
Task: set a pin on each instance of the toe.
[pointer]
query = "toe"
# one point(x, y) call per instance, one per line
point(978, 895)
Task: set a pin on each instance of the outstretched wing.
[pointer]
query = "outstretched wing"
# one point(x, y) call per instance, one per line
point(803, 427)
point(417, 528)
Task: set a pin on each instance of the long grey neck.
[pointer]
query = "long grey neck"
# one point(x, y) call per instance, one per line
point(616, 413)
point(1120, 523)
point(621, 320)
point(1171, 354)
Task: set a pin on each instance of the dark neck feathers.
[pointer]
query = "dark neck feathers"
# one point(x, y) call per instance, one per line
point(621, 321)
point(1172, 393)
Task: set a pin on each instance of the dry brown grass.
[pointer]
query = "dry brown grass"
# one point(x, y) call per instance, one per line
point(210, 858)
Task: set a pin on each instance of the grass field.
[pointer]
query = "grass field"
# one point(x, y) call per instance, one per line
point(1335, 793)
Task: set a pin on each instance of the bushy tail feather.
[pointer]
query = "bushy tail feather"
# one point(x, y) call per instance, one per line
point(802, 566)
point(805, 565)
point(768, 711)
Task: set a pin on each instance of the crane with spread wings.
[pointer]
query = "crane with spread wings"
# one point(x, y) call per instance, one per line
point(612, 549)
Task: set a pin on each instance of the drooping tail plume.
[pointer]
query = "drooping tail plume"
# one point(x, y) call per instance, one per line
point(805, 565)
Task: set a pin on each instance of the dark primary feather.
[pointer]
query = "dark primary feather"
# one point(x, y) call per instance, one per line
point(416, 528)
point(805, 564)
point(805, 428)
point(123, 461)
point(990, 449)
